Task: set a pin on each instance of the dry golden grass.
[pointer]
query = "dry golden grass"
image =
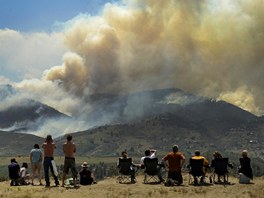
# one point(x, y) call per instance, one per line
point(109, 188)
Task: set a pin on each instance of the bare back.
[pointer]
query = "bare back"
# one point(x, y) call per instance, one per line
point(69, 148)
point(48, 149)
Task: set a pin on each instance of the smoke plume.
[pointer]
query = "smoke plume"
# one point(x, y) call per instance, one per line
point(211, 48)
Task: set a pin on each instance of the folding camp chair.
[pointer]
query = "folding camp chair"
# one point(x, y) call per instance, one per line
point(151, 170)
point(125, 172)
point(220, 169)
point(196, 170)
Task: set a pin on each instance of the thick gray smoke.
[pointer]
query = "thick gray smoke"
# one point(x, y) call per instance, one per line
point(208, 47)
point(205, 47)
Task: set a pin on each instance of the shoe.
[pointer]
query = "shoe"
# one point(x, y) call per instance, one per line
point(47, 186)
point(195, 182)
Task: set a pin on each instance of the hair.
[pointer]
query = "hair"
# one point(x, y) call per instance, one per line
point(197, 153)
point(147, 152)
point(124, 154)
point(36, 146)
point(25, 165)
point(69, 137)
point(49, 138)
point(217, 154)
point(175, 148)
point(13, 160)
point(244, 153)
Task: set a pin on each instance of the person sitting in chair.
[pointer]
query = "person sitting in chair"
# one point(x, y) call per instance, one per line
point(86, 176)
point(223, 171)
point(151, 153)
point(174, 160)
point(198, 156)
point(14, 169)
point(245, 169)
point(132, 172)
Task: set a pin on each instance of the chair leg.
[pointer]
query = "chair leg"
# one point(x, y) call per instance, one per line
point(145, 178)
point(190, 179)
point(213, 177)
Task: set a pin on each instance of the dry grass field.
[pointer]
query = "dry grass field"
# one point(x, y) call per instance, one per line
point(109, 188)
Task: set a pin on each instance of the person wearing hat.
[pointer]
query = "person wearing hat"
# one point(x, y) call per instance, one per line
point(245, 170)
point(14, 169)
point(174, 160)
point(86, 176)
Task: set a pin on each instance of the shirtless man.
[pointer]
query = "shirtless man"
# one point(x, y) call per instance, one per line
point(69, 148)
point(49, 147)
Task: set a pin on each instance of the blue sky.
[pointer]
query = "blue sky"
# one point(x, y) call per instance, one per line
point(29, 44)
point(40, 15)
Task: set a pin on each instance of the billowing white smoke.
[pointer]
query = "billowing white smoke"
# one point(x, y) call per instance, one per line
point(208, 47)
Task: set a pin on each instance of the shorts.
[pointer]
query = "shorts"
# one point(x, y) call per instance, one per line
point(175, 175)
point(69, 163)
point(36, 166)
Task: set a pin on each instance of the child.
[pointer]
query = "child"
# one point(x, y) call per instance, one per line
point(24, 176)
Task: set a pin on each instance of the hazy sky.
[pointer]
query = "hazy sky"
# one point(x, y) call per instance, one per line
point(71, 49)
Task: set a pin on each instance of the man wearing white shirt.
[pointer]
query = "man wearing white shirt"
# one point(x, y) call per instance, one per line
point(151, 153)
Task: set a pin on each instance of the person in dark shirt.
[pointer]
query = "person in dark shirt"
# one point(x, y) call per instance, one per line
point(245, 165)
point(86, 176)
point(220, 172)
point(14, 169)
point(132, 170)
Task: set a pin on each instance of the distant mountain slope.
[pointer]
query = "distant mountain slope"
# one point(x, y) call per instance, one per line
point(15, 144)
point(134, 107)
point(24, 114)
point(155, 119)
point(162, 118)
point(161, 131)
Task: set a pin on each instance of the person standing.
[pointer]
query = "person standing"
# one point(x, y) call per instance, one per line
point(69, 149)
point(36, 158)
point(49, 147)
point(174, 160)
